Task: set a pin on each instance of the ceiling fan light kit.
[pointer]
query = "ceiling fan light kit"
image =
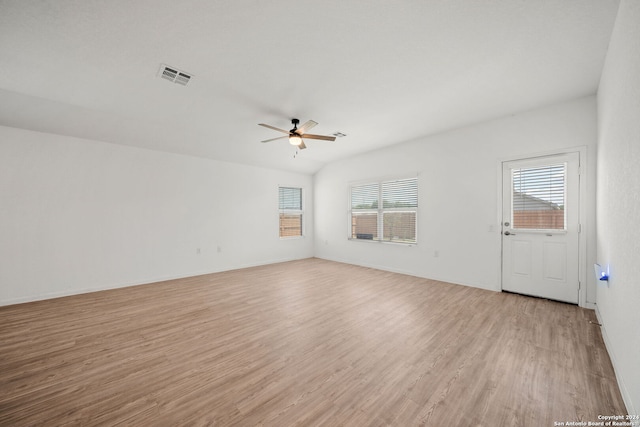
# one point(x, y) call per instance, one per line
point(296, 134)
point(294, 138)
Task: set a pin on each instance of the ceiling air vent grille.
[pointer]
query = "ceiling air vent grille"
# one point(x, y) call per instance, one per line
point(174, 75)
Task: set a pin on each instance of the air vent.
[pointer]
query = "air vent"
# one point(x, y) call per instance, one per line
point(174, 75)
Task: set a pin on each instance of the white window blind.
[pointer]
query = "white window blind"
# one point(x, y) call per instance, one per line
point(364, 211)
point(290, 209)
point(538, 195)
point(385, 211)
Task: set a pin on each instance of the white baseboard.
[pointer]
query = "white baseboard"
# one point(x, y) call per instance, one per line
point(623, 389)
point(69, 292)
point(408, 273)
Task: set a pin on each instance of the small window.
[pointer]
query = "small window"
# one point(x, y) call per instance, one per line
point(291, 213)
point(538, 197)
point(385, 211)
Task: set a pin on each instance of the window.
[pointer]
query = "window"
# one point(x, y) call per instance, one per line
point(538, 197)
point(290, 208)
point(385, 211)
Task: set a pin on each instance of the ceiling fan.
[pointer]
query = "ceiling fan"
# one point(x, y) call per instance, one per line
point(296, 134)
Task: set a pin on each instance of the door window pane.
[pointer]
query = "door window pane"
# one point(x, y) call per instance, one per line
point(538, 195)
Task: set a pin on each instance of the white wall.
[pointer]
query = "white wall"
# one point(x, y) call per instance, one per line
point(618, 204)
point(458, 194)
point(79, 215)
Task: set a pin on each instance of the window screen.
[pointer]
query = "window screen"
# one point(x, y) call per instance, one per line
point(290, 209)
point(385, 211)
point(538, 195)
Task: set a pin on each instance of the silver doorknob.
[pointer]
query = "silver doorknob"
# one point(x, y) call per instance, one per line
point(508, 233)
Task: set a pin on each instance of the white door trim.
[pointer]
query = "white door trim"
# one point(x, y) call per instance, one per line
point(582, 197)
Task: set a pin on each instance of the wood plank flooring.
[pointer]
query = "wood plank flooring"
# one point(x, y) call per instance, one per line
point(308, 342)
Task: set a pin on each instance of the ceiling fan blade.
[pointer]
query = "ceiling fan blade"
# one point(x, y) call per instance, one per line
point(302, 146)
point(274, 128)
point(273, 139)
point(323, 137)
point(307, 126)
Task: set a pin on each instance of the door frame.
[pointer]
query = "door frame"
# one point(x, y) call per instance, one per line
point(582, 212)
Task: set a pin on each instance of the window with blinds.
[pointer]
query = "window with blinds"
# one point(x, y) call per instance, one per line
point(538, 195)
point(290, 210)
point(385, 211)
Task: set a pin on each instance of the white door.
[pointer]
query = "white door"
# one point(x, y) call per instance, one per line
point(540, 226)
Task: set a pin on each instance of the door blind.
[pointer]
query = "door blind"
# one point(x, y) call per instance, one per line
point(538, 197)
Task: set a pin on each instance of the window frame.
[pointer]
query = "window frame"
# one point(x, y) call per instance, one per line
point(300, 212)
point(381, 210)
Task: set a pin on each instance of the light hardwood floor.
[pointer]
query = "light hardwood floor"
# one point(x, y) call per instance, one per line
point(308, 342)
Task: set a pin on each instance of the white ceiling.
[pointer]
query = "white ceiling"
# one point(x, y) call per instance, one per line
point(381, 71)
